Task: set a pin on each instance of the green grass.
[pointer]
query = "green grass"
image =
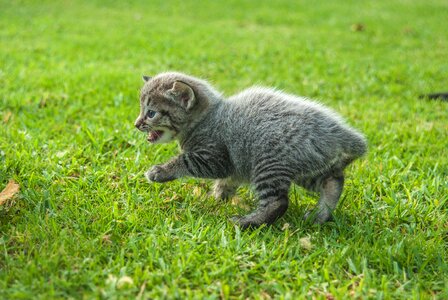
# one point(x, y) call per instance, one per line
point(85, 217)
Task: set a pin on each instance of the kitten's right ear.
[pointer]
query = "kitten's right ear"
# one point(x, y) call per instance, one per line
point(146, 78)
point(183, 94)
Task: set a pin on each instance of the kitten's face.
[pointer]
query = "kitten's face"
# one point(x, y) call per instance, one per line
point(164, 109)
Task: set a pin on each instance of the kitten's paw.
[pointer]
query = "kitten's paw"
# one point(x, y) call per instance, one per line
point(314, 217)
point(245, 222)
point(158, 174)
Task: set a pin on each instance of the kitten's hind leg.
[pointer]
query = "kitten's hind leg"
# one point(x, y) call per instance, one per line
point(272, 205)
point(330, 192)
point(224, 189)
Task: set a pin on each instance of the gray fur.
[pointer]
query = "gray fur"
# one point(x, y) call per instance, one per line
point(260, 136)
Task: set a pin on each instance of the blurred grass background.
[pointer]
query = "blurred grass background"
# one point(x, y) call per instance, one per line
point(70, 72)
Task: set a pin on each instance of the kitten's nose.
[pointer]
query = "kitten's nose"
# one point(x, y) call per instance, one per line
point(138, 123)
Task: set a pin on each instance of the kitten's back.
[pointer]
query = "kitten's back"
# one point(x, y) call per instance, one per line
point(297, 128)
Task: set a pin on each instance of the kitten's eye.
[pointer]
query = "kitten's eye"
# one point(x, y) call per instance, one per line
point(151, 114)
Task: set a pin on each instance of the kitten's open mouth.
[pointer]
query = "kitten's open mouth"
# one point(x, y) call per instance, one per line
point(153, 136)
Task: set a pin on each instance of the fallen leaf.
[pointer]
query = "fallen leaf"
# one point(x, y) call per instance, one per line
point(10, 190)
point(7, 117)
point(305, 243)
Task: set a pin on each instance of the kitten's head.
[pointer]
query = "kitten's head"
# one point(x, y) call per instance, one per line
point(169, 105)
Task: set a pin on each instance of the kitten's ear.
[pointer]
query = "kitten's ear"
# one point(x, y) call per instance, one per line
point(183, 94)
point(146, 78)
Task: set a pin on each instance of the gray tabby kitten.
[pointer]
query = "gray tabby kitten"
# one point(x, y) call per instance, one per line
point(260, 136)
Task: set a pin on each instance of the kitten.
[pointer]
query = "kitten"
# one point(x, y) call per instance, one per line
point(260, 136)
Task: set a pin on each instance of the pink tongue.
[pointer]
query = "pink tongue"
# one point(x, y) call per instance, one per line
point(154, 135)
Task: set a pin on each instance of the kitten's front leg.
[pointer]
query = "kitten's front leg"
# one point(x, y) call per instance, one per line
point(204, 163)
point(166, 172)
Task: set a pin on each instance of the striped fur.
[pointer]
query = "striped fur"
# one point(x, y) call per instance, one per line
point(261, 136)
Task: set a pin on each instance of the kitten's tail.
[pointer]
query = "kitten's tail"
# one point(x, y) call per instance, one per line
point(355, 145)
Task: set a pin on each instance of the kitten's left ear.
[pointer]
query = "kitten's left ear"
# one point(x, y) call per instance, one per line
point(146, 78)
point(183, 94)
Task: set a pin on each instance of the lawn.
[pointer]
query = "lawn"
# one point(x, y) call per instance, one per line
point(86, 223)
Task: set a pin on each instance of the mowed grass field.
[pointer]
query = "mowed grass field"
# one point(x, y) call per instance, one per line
point(86, 224)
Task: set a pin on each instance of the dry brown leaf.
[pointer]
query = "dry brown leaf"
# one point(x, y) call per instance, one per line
point(10, 190)
point(7, 117)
